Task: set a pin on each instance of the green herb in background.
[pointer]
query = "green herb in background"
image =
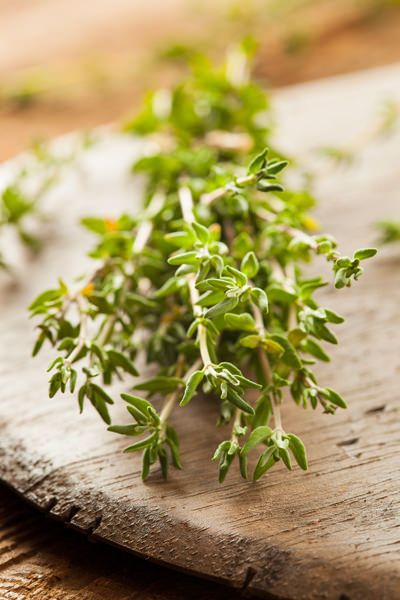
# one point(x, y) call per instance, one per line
point(20, 200)
point(389, 231)
point(207, 283)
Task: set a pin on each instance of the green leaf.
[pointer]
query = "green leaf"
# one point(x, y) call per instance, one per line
point(237, 400)
point(47, 297)
point(365, 253)
point(259, 162)
point(323, 333)
point(201, 232)
point(284, 455)
point(102, 393)
point(54, 384)
point(81, 397)
point(145, 464)
point(125, 429)
point(191, 386)
point(243, 465)
point(260, 298)
point(39, 343)
point(341, 279)
point(257, 436)
point(140, 418)
point(140, 404)
point(334, 397)
point(315, 349)
point(174, 448)
point(100, 405)
point(272, 347)
point(265, 462)
point(333, 317)
point(295, 336)
point(276, 293)
point(95, 224)
point(290, 356)
point(250, 265)
point(181, 239)
point(99, 399)
point(210, 298)
point(264, 185)
point(221, 449)
point(244, 321)
point(73, 380)
point(250, 341)
point(144, 443)
point(275, 167)
point(238, 276)
point(221, 308)
point(248, 383)
point(118, 359)
point(224, 465)
point(163, 459)
point(298, 450)
point(160, 383)
point(185, 258)
point(171, 286)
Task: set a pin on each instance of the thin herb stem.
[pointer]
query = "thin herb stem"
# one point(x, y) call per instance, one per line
point(83, 320)
point(265, 366)
point(236, 423)
point(143, 234)
point(172, 399)
point(186, 202)
point(210, 197)
point(167, 408)
point(290, 272)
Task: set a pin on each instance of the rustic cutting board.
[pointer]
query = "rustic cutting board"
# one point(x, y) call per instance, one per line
point(42, 560)
point(331, 533)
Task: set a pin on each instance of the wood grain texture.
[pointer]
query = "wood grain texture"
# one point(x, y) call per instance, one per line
point(40, 560)
point(332, 533)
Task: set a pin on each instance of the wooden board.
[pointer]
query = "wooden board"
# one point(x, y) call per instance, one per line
point(331, 533)
point(43, 560)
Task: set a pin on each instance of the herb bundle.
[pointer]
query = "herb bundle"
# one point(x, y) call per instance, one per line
point(206, 282)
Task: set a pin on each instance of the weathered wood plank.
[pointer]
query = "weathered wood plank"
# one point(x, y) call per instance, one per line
point(41, 560)
point(331, 533)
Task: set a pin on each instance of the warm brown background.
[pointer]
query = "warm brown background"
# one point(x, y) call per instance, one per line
point(83, 63)
point(67, 64)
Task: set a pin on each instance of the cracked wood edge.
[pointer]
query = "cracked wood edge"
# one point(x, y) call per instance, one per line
point(40, 559)
point(260, 569)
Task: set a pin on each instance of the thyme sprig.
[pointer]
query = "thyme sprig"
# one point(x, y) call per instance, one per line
point(207, 284)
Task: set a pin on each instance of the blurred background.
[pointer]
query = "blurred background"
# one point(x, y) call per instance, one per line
point(68, 64)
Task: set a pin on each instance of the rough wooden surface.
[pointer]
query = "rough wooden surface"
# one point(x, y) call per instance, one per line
point(42, 560)
point(331, 533)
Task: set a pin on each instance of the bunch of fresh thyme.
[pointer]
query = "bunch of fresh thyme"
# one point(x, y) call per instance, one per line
point(207, 282)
